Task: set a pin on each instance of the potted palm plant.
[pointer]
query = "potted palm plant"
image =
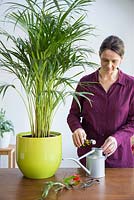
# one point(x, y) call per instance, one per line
point(53, 30)
point(6, 129)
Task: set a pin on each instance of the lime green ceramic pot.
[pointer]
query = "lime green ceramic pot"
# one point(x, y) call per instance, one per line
point(38, 158)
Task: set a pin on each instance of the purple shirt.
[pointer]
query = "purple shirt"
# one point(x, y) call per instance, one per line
point(111, 114)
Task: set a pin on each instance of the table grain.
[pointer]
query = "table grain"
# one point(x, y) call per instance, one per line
point(118, 184)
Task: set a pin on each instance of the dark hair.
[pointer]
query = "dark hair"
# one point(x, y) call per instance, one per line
point(113, 43)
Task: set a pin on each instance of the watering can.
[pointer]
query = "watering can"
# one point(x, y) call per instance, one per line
point(95, 162)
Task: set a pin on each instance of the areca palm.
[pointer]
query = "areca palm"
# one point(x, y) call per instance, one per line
point(40, 60)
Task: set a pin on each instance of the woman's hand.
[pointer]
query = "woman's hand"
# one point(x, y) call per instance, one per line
point(79, 136)
point(109, 146)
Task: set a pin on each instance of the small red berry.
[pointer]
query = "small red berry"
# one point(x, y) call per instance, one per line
point(76, 177)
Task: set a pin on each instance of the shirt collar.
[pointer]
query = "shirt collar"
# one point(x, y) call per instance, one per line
point(120, 80)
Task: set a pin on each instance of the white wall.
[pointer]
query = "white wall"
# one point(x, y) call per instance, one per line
point(115, 17)
point(109, 17)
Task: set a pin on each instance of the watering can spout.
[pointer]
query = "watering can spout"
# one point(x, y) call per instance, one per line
point(78, 162)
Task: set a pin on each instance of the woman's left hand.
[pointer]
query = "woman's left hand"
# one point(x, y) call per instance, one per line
point(109, 146)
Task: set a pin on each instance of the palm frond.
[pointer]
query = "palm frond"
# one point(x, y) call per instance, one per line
point(41, 59)
point(4, 87)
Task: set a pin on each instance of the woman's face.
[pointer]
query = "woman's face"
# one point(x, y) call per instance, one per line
point(110, 60)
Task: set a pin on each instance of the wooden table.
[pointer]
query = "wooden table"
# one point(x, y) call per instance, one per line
point(118, 184)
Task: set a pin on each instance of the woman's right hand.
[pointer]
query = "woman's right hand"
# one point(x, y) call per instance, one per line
point(79, 136)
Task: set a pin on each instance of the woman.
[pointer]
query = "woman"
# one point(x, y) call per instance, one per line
point(110, 118)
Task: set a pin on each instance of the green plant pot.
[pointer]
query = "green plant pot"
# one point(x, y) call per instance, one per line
point(38, 158)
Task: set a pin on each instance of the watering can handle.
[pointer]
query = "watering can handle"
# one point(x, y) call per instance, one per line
point(106, 156)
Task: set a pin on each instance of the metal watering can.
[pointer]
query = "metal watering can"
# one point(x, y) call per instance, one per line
point(95, 162)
